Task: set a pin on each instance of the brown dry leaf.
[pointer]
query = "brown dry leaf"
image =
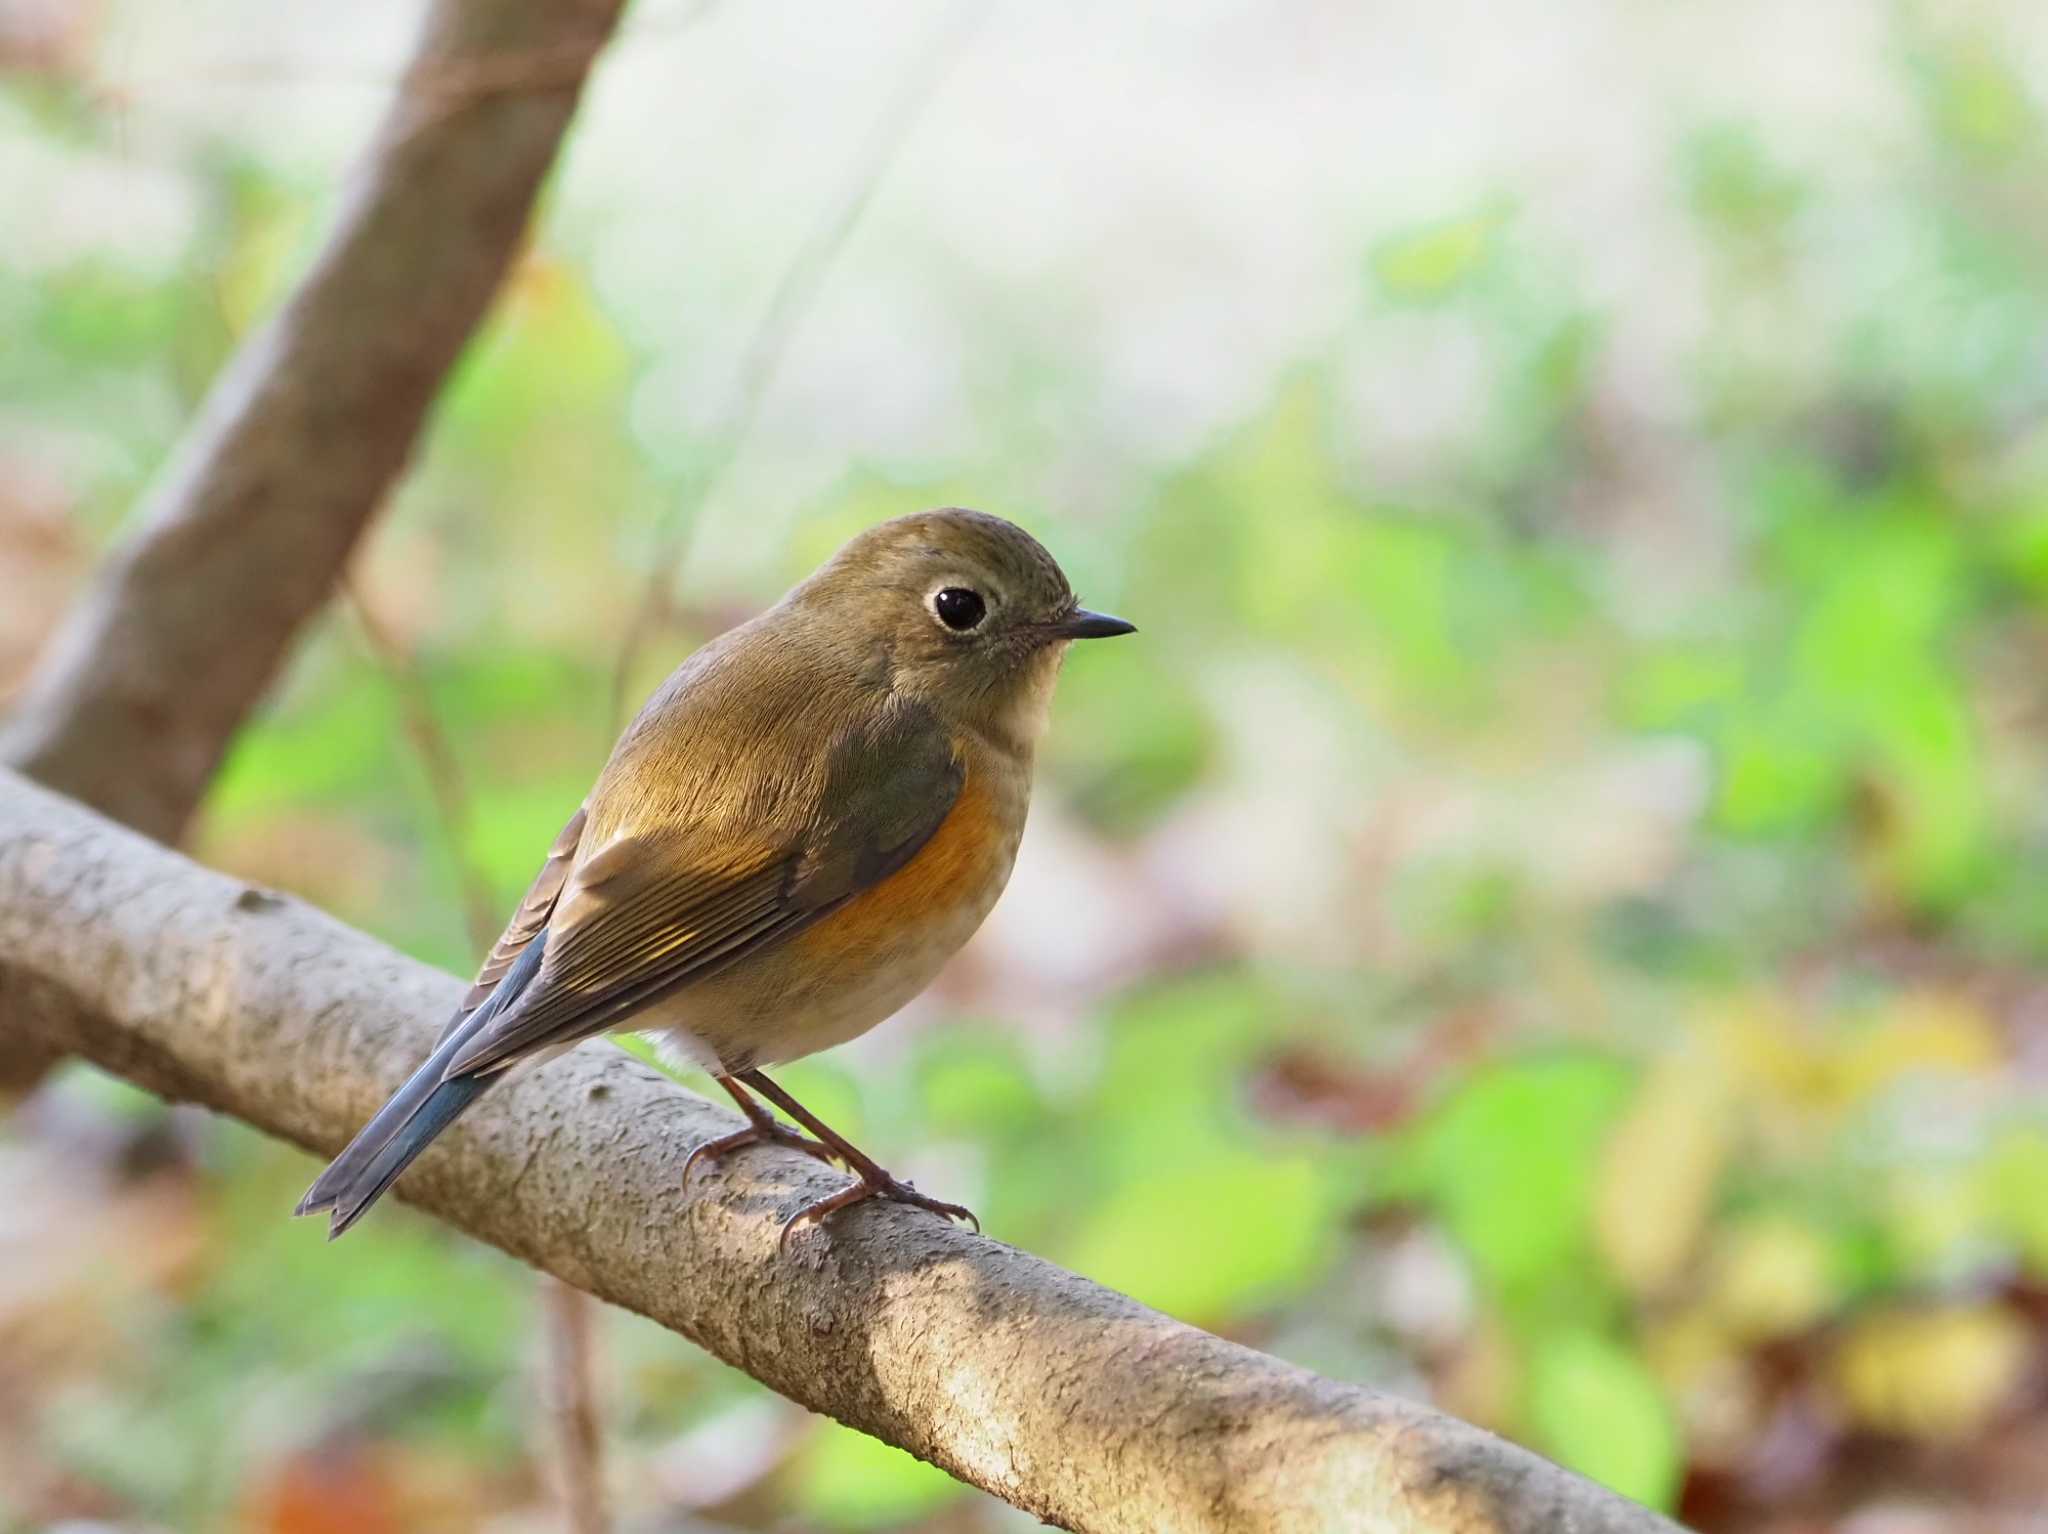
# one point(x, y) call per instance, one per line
point(354, 1486)
point(334, 1490)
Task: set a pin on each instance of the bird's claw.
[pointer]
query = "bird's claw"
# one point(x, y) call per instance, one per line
point(892, 1188)
point(756, 1134)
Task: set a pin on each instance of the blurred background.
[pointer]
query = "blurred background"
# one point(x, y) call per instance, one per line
point(1549, 916)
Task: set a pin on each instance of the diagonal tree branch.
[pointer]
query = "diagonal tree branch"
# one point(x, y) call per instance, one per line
point(247, 529)
point(1066, 1399)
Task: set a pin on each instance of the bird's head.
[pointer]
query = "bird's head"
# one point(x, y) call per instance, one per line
point(963, 611)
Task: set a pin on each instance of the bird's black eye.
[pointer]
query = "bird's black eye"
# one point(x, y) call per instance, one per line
point(959, 609)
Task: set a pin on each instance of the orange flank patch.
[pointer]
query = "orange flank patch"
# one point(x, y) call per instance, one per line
point(945, 873)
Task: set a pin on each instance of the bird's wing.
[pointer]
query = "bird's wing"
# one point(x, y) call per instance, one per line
point(526, 922)
point(652, 910)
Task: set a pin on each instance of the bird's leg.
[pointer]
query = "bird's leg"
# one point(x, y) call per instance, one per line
point(874, 1182)
point(762, 1129)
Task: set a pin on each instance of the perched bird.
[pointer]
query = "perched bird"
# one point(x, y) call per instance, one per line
point(806, 820)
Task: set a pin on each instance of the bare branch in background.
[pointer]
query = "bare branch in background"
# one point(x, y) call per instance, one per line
point(794, 293)
point(247, 530)
point(1072, 1402)
point(569, 1386)
point(248, 527)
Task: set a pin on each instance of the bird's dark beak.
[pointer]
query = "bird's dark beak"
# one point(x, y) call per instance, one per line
point(1082, 624)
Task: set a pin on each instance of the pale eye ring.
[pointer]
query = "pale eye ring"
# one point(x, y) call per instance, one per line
point(960, 608)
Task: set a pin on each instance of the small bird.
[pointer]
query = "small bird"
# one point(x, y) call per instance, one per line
point(806, 820)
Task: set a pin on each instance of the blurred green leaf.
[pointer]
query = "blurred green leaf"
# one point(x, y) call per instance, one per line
point(100, 311)
point(1782, 769)
point(1975, 96)
point(1509, 1162)
point(1734, 184)
point(1174, 1054)
point(977, 1083)
point(2021, 542)
point(2015, 1193)
point(851, 1481)
point(1212, 1232)
point(326, 748)
point(1681, 686)
point(1869, 655)
point(1428, 264)
point(547, 352)
point(1595, 1407)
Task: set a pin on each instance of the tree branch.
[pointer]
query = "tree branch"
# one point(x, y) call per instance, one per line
point(247, 529)
point(1066, 1399)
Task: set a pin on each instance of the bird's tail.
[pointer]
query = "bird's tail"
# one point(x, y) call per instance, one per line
point(428, 1103)
point(418, 1111)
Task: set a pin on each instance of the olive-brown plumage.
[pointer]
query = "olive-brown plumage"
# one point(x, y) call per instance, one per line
point(807, 819)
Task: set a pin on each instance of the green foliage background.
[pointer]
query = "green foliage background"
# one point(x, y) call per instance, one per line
point(1630, 1032)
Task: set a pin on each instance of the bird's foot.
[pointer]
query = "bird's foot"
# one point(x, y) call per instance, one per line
point(879, 1186)
point(757, 1134)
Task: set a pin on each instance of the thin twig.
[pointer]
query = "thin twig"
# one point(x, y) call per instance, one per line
point(437, 760)
point(569, 1390)
point(788, 305)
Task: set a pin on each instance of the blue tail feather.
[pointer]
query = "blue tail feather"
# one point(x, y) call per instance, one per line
point(443, 1107)
point(428, 1103)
